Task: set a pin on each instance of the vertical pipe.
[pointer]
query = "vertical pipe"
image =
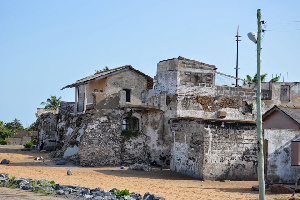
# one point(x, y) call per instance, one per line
point(85, 98)
point(237, 58)
point(260, 154)
point(76, 99)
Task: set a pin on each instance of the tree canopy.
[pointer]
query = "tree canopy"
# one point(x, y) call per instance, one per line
point(52, 103)
point(262, 78)
point(15, 125)
point(33, 126)
point(4, 132)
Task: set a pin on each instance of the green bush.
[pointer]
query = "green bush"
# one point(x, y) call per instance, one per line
point(3, 142)
point(52, 182)
point(122, 192)
point(28, 144)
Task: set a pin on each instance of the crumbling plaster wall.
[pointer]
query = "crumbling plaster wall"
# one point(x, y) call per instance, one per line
point(290, 98)
point(192, 84)
point(214, 150)
point(98, 91)
point(279, 169)
point(127, 80)
point(95, 137)
point(47, 137)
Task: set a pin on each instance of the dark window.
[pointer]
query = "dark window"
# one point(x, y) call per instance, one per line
point(295, 153)
point(132, 125)
point(128, 95)
point(187, 76)
point(285, 93)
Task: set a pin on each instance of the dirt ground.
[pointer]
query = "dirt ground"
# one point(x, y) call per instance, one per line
point(171, 185)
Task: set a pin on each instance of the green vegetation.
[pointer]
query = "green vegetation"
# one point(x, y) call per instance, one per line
point(3, 142)
point(15, 125)
point(10, 184)
point(104, 69)
point(132, 130)
point(52, 103)
point(262, 79)
point(34, 126)
point(52, 182)
point(122, 192)
point(4, 131)
point(28, 144)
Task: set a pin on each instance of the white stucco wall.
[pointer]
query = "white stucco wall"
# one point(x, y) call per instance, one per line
point(279, 169)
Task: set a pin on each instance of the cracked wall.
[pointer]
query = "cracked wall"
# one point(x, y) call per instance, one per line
point(214, 150)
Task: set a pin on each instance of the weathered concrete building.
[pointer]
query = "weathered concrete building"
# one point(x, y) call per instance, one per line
point(180, 119)
point(282, 143)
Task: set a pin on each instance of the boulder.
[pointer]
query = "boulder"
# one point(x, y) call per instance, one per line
point(3, 175)
point(148, 196)
point(5, 161)
point(280, 189)
point(69, 172)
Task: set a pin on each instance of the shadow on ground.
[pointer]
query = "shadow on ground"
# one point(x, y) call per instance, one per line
point(156, 173)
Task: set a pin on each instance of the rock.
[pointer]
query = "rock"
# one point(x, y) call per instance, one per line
point(3, 175)
point(25, 184)
point(280, 189)
point(61, 162)
point(75, 192)
point(5, 161)
point(69, 172)
point(39, 158)
point(255, 188)
point(136, 195)
point(113, 191)
point(122, 167)
point(142, 166)
point(148, 196)
point(60, 192)
point(87, 196)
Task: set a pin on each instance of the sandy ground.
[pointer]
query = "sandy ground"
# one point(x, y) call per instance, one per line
point(171, 185)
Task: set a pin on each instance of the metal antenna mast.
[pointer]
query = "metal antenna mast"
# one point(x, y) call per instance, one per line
point(237, 57)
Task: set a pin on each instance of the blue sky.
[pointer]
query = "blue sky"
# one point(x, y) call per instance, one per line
point(46, 45)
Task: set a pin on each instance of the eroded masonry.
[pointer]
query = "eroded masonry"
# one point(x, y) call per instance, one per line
point(180, 120)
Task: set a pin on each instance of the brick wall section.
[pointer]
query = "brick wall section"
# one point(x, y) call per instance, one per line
point(235, 92)
point(214, 150)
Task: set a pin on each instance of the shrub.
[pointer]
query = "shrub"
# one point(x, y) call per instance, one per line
point(122, 192)
point(3, 142)
point(52, 182)
point(28, 144)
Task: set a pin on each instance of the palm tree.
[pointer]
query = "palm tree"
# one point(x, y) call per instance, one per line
point(52, 103)
point(262, 78)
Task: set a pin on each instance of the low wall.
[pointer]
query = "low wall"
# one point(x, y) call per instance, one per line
point(214, 150)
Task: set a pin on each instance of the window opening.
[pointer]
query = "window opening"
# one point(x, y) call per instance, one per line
point(128, 95)
point(295, 153)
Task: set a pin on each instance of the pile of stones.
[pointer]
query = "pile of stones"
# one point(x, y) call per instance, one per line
point(73, 192)
point(140, 166)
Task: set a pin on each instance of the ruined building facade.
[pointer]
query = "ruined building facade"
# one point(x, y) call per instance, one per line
point(180, 119)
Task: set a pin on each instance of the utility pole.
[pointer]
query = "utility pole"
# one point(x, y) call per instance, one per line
point(237, 57)
point(260, 155)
